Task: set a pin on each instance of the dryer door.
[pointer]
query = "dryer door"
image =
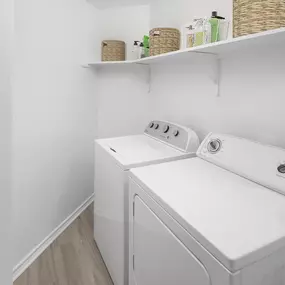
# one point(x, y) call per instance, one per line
point(160, 258)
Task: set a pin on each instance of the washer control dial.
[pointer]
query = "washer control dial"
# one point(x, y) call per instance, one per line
point(156, 126)
point(214, 146)
point(176, 133)
point(281, 168)
point(166, 129)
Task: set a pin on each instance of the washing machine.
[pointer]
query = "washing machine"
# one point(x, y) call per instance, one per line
point(160, 142)
point(217, 219)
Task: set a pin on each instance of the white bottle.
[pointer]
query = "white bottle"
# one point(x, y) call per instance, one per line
point(136, 51)
point(142, 53)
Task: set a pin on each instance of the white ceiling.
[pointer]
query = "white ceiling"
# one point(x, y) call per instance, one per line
point(104, 4)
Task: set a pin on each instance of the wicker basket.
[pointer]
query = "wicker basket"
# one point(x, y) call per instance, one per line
point(163, 40)
point(254, 16)
point(113, 51)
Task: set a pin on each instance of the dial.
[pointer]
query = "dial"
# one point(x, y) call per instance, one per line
point(156, 126)
point(176, 133)
point(214, 146)
point(166, 129)
point(281, 169)
point(151, 125)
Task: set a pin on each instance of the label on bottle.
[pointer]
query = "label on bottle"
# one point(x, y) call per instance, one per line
point(190, 41)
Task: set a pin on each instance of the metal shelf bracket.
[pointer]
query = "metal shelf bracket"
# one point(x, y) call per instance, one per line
point(216, 72)
point(149, 78)
point(217, 75)
point(148, 75)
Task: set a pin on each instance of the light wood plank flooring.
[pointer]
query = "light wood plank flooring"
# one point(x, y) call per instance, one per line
point(72, 259)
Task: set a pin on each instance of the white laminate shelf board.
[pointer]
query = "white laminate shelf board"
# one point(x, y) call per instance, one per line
point(250, 43)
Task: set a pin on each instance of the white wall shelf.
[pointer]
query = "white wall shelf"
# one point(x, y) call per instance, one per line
point(244, 44)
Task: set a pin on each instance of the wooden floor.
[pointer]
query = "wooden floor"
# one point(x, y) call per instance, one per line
point(73, 259)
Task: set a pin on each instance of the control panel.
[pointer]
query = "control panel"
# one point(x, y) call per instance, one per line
point(260, 163)
point(177, 136)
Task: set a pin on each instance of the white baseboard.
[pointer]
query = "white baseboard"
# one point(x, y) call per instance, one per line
point(39, 249)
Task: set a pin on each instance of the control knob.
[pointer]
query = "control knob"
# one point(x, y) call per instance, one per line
point(176, 133)
point(166, 129)
point(156, 126)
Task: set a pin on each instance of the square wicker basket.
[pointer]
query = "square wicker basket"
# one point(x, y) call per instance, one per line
point(113, 50)
point(163, 40)
point(254, 16)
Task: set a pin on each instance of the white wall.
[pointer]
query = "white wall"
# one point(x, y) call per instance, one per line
point(252, 86)
point(54, 116)
point(123, 99)
point(251, 102)
point(106, 4)
point(6, 30)
point(124, 102)
point(56, 104)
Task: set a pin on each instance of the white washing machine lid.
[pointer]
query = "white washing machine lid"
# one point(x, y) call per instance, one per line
point(140, 150)
point(235, 219)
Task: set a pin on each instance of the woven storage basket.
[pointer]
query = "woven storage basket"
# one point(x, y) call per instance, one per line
point(113, 51)
point(254, 16)
point(163, 40)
